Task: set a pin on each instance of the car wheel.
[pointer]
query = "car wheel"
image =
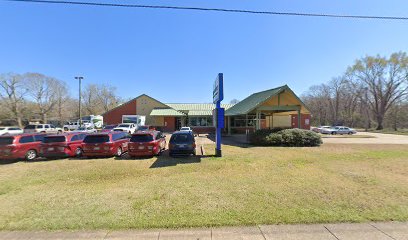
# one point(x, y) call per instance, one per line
point(119, 152)
point(78, 152)
point(66, 129)
point(334, 133)
point(31, 155)
point(349, 133)
point(59, 131)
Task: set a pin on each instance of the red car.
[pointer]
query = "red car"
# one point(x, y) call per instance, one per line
point(105, 144)
point(108, 128)
point(23, 146)
point(146, 144)
point(62, 145)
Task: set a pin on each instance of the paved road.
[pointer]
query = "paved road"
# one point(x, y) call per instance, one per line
point(379, 138)
point(362, 231)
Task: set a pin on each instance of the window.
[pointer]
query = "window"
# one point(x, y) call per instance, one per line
point(96, 139)
point(56, 139)
point(181, 138)
point(47, 126)
point(6, 140)
point(75, 138)
point(52, 126)
point(39, 138)
point(142, 138)
point(119, 136)
point(30, 127)
point(206, 121)
point(12, 129)
point(1, 129)
point(27, 139)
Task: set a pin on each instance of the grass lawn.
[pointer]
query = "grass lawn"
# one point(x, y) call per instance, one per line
point(260, 185)
point(388, 131)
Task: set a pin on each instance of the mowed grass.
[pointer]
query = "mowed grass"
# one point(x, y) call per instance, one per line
point(259, 185)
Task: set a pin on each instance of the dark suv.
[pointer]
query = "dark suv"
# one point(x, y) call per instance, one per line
point(182, 143)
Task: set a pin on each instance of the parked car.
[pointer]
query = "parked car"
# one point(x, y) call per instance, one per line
point(146, 144)
point(344, 130)
point(320, 128)
point(86, 130)
point(71, 126)
point(182, 143)
point(327, 130)
point(105, 144)
point(126, 127)
point(145, 128)
point(42, 128)
point(62, 145)
point(186, 129)
point(22, 146)
point(10, 130)
point(108, 128)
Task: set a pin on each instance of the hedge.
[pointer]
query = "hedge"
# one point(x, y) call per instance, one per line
point(286, 137)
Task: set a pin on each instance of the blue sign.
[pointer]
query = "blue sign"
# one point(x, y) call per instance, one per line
point(218, 96)
point(218, 88)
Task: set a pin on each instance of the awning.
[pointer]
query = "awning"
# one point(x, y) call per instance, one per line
point(200, 113)
point(166, 112)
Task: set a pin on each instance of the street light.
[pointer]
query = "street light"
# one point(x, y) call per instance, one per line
point(79, 103)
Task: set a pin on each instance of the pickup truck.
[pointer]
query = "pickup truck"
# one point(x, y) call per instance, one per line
point(42, 128)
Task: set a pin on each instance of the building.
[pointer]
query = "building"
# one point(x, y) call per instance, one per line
point(278, 107)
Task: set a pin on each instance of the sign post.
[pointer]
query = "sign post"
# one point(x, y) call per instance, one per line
point(218, 113)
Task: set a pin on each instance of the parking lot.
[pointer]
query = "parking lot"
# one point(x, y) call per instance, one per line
point(368, 138)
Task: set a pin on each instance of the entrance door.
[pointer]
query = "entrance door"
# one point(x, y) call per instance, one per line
point(178, 123)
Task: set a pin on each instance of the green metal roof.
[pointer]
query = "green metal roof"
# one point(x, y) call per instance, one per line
point(200, 113)
point(196, 106)
point(165, 112)
point(250, 103)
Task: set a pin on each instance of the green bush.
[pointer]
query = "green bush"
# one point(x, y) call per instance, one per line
point(259, 137)
point(286, 137)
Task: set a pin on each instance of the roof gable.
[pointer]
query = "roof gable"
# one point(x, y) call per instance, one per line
point(248, 104)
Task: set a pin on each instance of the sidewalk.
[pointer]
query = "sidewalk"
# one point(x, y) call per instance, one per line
point(358, 231)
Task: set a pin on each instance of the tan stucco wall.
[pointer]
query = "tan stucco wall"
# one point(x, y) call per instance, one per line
point(286, 98)
point(145, 105)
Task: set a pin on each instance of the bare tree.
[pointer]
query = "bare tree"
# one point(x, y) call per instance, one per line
point(44, 91)
point(234, 101)
point(386, 80)
point(12, 92)
point(98, 98)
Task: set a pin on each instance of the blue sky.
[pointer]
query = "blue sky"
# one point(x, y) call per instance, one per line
point(174, 55)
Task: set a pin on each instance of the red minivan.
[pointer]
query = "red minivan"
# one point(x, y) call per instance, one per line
point(105, 144)
point(62, 145)
point(146, 144)
point(22, 146)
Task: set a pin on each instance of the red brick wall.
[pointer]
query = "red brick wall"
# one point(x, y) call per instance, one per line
point(303, 118)
point(169, 124)
point(115, 115)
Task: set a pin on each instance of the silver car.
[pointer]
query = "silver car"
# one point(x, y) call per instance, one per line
point(344, 130)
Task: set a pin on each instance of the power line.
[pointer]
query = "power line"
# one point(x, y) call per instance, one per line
point(215, 10)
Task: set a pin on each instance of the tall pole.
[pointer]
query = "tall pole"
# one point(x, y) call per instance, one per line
point(79, 101)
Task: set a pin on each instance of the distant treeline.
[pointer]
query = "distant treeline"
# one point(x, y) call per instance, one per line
point(373, 92)
point(37, 97)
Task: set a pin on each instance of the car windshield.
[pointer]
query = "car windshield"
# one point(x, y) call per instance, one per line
point(109, 127)
point(181, 138)
point(143, 128)
point(6, 140)
point(124, 125)
point(142, 138)
point(96, 139)
point(54, 139)
point(30, 127)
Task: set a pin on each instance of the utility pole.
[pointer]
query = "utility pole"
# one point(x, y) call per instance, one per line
point(79, 102)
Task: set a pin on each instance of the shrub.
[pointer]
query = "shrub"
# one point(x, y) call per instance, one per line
point(259, 137)
point(286, 137)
